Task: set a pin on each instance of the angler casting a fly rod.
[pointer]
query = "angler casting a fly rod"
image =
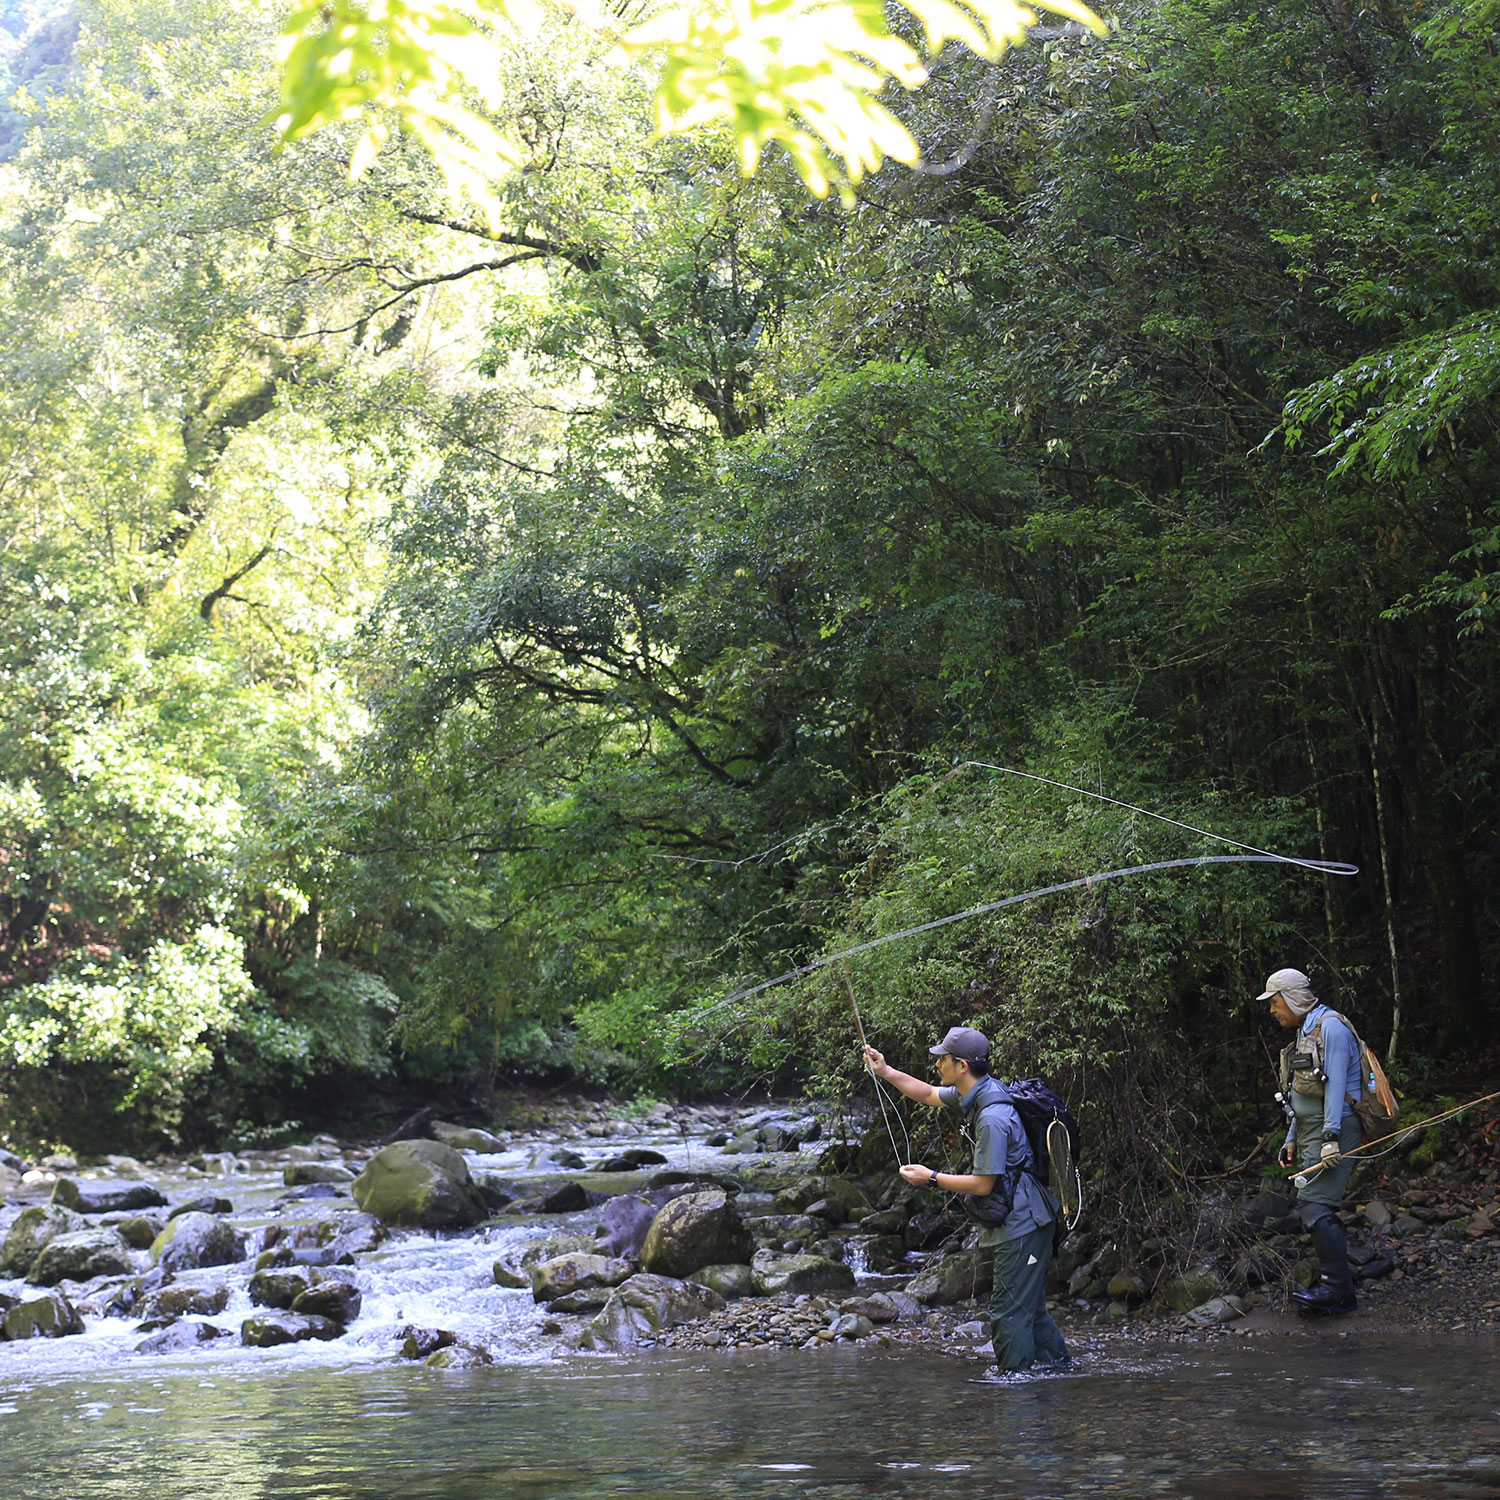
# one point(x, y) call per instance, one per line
point(1003, 1193)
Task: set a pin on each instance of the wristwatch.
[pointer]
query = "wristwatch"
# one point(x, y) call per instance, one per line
point(932, 1181)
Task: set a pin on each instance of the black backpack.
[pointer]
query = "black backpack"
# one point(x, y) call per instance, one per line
point(1038, 1106)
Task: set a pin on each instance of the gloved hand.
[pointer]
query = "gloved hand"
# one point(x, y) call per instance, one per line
point(1330, 1154)
point(1287, 1156)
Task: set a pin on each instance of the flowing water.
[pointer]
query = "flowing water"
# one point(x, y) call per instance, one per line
point(1321, 1416)
point(1300, 1417)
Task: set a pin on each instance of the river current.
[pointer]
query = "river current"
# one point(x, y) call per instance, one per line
point(1322, 1416)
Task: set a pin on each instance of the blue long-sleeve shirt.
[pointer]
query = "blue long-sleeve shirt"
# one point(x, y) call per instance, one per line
point(1340, 1063)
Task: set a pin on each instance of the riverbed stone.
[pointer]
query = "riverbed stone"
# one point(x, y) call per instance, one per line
point(1192, 1289)
point(511, 1276)
point(729, 1281)
point(106, 1197)
point(1216, 1310)
point(197, 1240)
point(460, 1357)
point(81, 1256)
point(49, 1317)
point(205, 1203)
point(954, 1278)
point(646, 1304)
point(279, 1287)
point(180, 1335)
point(33, 1228)
point(698, 1229)
point(418, 1343)
point(565, 1274)
point(624, 1223)
point(466, 1138)
point(10, 1180)
point(776, 1273)
point(419, 1183)
point(139, 1231)
point(267, 1330)
point(10, 1162)
point(312, 1173)
point(180, 1301)
point(339, 1301)
point(353, 1234)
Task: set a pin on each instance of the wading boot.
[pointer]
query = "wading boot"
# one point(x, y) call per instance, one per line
point(1333, 1291)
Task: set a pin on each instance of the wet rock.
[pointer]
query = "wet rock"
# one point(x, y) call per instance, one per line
point(180, 1336)
point(418, 1343)
point(355, 1234)
point(498, 1192)
point(11, 1162)
point(209, 1203)
point(878, 1307)
point(644, 1305)
point(108, 1299)
point(267, 1330)
point(696, 1230)
point(884, 1221)
point(196, 1240)
point(1404, 1225)
point(570, 1198)
point(421, 1183)
point(81, 1256)
point(1127, 1286)
point(507, 1275)
point(954, 1278)
point(623, 1225)
point(1376, 1214)
point(569, 1160)
point(776, 1274)
point(460, 1357)
point(886, 1252)
point(1215, 1310)
point(1192, 1289)
point(794, 1199)
point(140, 1230)
point(464, 1138)
point(338, 1301)
point(311, 1192)
point(566, 1274)
point(729, 1281)
point(926, 1231)
point(828, 1209)
point(279, 1288)
point(106, 1197)
point(49, 1317)
point(9, 1180)
point(180, 1301)
point(33, 1228)
point(585, 1299)
point(59, 1162)
point(310, 1173)
point(776, 1229)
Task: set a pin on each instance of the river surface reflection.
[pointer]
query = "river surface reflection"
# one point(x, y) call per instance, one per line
point(1298, 1417)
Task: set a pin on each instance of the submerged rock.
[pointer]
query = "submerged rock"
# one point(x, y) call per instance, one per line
point(460, 1357)
point(698, 1229)
point(184, 1335)
point(418, 1343)
point(49, 1317)
point(196, 1240)
point(420, 1183)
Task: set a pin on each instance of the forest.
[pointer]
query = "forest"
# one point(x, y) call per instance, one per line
point(441, 651)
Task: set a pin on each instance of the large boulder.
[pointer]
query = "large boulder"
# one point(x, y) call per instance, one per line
point(49, 1317)
point(270, 1329)
point(195, 1240)
point(645, 1305)
point(81, 1256)
point(728, 1281)
point(422, 1183)
point(955, 1278)
point(565, 1274)
point(775, 1274)
point(1192, 1289)
point(31, 1231)
point(696, 1230)
point(106, 1197)
point(623, 1225)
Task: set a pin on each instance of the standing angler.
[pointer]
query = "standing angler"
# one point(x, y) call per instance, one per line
point(1320, 1085)
point(1002, 1194)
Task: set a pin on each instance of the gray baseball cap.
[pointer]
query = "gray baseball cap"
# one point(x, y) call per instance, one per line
point(964, 1043)
point(1285, 979)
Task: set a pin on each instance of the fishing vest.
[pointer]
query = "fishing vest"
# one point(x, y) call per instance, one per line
point(1302, 1069)
point(1302, 1072)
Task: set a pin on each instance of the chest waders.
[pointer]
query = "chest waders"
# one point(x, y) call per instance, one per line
point(1304, 1084)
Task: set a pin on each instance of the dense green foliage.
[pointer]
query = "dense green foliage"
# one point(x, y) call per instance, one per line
point(456, 648)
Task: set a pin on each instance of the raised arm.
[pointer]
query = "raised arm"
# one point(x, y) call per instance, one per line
point(913, 1088)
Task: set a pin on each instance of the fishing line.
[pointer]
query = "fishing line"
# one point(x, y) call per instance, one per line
point(1328, 867)
point(859, 1027)
point(1405, 1132)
